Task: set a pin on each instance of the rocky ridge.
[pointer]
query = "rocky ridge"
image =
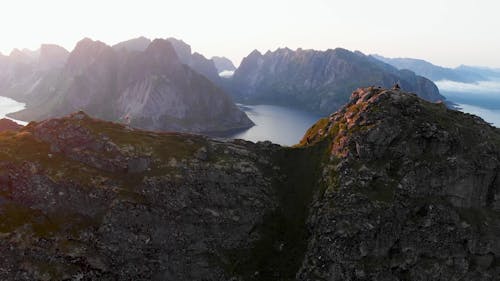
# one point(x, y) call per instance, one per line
point(9, 125)
point(390, 187)
point(411, 192)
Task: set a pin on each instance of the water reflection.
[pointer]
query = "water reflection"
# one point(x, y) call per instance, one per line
point(277, 124)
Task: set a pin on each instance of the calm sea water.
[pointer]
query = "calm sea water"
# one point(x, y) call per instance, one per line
point(277, 124)
point(286, 126)
point(486, 106)
point(481, 98)
point(489, 115)
point(8, 105)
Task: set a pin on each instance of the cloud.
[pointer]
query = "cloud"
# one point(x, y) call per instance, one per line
point(482, 87)
point(226, 74)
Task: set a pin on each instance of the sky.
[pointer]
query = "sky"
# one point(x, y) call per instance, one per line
point(445, 32)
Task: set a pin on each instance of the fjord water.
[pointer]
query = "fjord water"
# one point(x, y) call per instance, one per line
point(278, 124)
point(8, 105)
point(481, 98)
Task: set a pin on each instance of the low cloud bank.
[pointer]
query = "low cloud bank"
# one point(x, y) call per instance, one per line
point(482, 87)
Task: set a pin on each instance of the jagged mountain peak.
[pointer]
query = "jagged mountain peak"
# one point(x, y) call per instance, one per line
point(255, 53)
point(182, 48)
point(89, 48)
point(52, 55)
point(136, 44)
point(162, 47)
point(89, 52)
point(18, 56)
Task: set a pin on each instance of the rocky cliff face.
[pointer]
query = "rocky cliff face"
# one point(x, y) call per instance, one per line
point(195, 60)
point(390, 187)
point(410, 192)
point(89, 200)
point(151, 89)
point(318, 81)
point(31, 77)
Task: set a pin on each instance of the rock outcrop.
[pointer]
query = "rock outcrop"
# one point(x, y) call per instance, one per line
point(411, 192)
point(390, 187)
point(318, 81)
point(9, 125)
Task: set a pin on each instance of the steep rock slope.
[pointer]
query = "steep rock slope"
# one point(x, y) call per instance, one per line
point(196, 60)
point(31, 78)
point(411, 192)
point(86, 199)
point(150, 89)
point(319, 81)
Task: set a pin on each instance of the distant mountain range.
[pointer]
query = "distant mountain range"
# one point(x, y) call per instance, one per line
point(318, 81)
point(149, 88)
point(163, 85)
point(464, 74)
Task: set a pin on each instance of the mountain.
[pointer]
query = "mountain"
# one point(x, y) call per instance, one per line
point(409, 193)
point(318, 81)
point(486, 73)
point(195, 60)
point(9, 125)
point(463, 73)
point(223, 64)
point(431, 71)
point(137, 44)
point(28, 78)
point(52, 56)
point(390, 187)
point(152, 90)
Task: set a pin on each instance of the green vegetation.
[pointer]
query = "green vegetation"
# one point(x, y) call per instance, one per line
point(280, 251)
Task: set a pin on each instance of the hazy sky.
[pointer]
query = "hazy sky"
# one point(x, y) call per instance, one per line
point(445, 32)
